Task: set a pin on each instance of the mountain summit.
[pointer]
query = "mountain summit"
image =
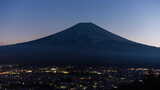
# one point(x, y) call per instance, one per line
point(83, 43)
point(81, 33)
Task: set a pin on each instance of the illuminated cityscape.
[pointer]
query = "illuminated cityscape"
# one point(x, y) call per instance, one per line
point(69, 77)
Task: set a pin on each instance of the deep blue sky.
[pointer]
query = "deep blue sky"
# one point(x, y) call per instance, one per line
point(24, 20)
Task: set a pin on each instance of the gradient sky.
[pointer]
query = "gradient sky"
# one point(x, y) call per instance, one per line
point(25, 20)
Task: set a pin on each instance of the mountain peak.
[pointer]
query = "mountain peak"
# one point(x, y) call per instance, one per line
point(83, 43)
point(86, 27)
point(81, 33)
point(85, 24)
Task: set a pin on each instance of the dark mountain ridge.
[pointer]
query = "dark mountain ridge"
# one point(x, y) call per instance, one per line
point(84, 43)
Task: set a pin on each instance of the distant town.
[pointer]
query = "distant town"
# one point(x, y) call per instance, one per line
point(69, 77)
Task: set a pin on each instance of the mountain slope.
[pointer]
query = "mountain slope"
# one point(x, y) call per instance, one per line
point(83, 43)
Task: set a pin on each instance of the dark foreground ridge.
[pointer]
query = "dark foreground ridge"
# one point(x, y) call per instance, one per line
point(83, 43)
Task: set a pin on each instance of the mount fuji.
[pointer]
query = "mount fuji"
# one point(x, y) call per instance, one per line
point(83, 43)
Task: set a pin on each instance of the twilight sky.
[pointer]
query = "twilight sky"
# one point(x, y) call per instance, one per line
point(25, 20)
